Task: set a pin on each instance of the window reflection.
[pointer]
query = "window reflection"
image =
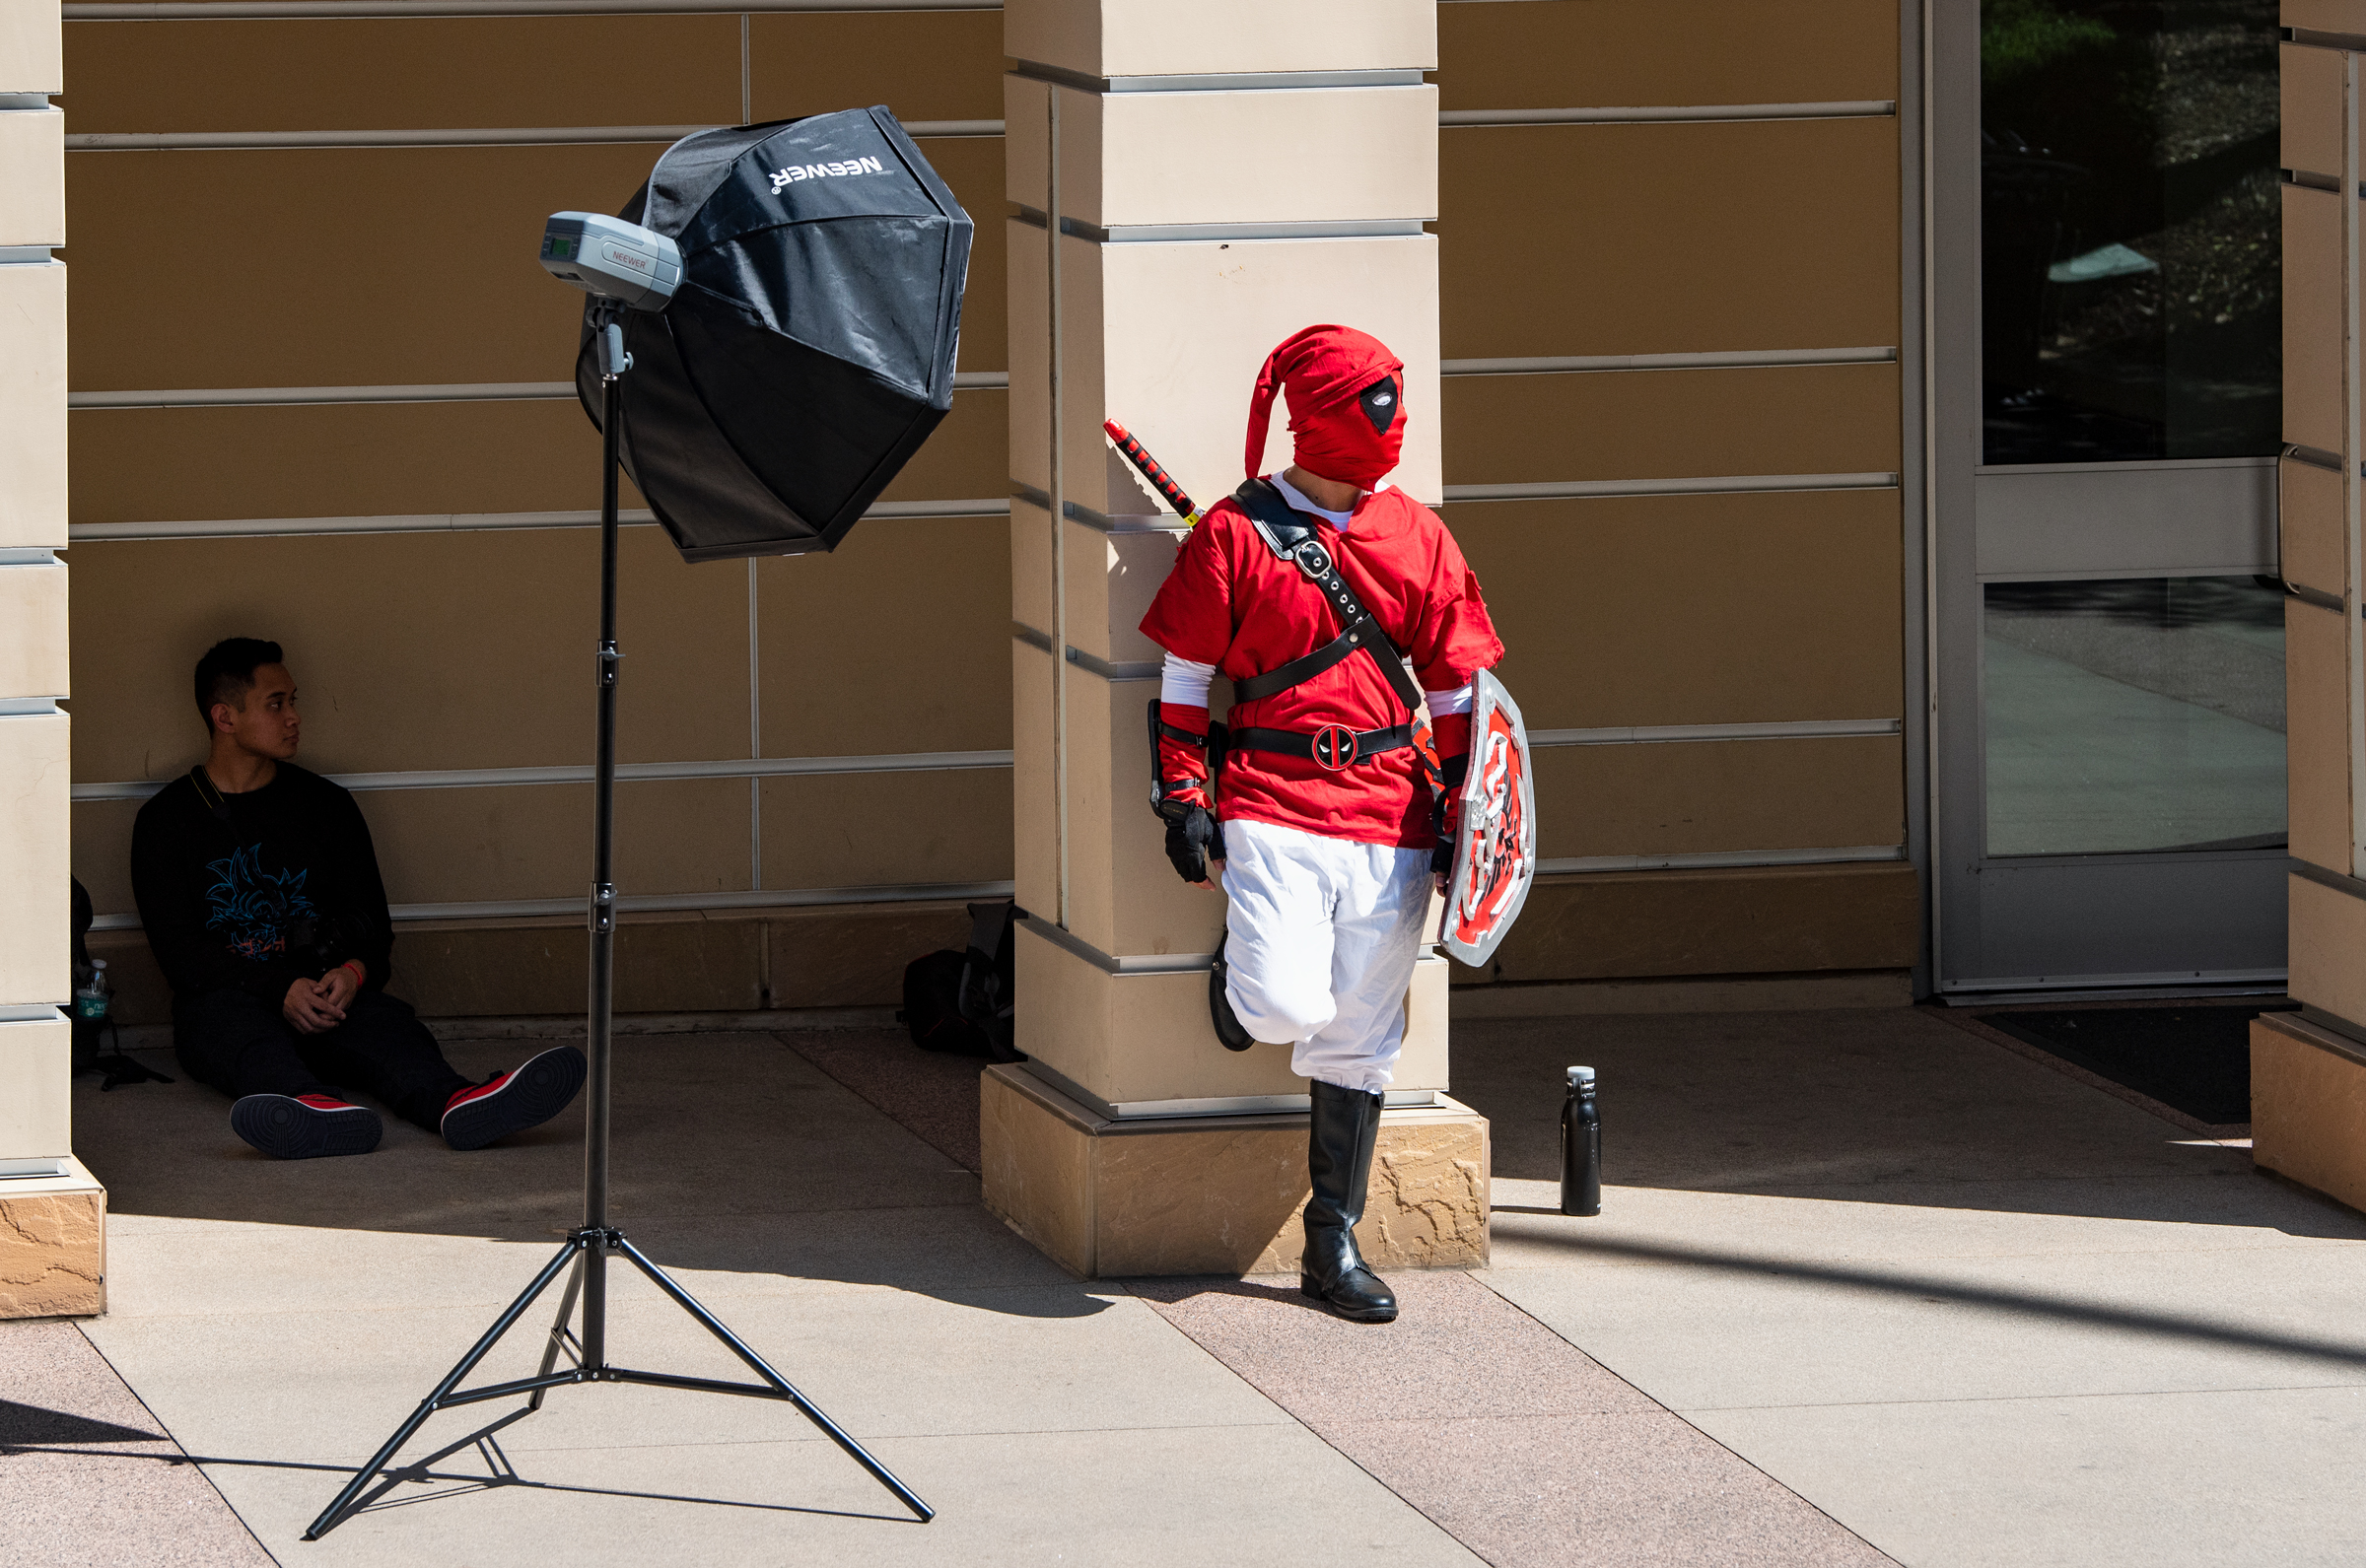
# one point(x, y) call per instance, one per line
point(2129, 230)
point(2133, 715)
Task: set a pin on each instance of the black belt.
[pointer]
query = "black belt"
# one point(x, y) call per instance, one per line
point(1334, 748)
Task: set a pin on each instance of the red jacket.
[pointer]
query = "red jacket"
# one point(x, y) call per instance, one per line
point(1230, 602)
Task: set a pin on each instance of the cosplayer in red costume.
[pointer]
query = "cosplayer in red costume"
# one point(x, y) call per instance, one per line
point(1304, 588)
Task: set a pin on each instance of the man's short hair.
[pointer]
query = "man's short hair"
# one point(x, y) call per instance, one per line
point(227, 673)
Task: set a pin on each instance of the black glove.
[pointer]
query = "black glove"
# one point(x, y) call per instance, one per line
point(1193, 837)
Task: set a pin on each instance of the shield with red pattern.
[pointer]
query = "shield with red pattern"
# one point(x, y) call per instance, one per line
point(1494, 854)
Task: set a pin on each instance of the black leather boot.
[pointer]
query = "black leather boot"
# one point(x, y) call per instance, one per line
point(1230, 1032)
point(1339, 1157)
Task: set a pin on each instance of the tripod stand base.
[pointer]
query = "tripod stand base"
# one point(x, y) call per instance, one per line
point(587, 1250)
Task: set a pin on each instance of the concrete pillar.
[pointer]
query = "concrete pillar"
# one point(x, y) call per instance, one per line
point(1218, 175)
point(52, 1214)
point(2309, 1073)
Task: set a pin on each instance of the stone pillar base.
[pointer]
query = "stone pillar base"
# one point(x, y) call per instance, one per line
point(2307, 1106)
point(1218, 1194)
point(53, 1245)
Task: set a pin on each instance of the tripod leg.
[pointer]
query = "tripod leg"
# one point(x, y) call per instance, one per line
point(332, 1515)
point(558, 1334)
point(714, 1326)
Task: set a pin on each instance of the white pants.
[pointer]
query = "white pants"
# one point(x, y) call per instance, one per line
point(1323, 937)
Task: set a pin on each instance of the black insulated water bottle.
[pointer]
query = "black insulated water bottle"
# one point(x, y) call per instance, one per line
point(1580, 1146)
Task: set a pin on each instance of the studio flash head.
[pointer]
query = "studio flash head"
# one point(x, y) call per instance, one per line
point(612, 260)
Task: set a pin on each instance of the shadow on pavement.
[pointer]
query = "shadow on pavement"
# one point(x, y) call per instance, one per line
point(1879, 1106)
point(731, 1152)
point(2349, 1355)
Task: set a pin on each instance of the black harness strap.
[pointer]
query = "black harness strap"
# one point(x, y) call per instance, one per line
point(1294, 540)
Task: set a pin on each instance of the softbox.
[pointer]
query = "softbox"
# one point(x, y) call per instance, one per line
point(809, 350)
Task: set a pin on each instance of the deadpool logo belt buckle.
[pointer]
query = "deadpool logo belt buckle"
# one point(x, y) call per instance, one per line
point(1334, 748)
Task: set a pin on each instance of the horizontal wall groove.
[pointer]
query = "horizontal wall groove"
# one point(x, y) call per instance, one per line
point(396, 10)
point(1671, 734)
point(627, 773)
point(665, 903)
point(1721, 860)
point(1100, 521)
point(1090, 663)
point(1109, 964)
point(1710, 485)
point(2318, 38)
point(2339, 882)
point(1171, 233)
point(1664, 114)
point(491, 136)
point(467, 521)
point(1725, 359)
point(425, 392)
point(1218, 82)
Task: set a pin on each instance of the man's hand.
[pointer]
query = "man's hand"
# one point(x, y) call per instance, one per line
point(339, 987)
point(1193, 838)
point(307, 1008)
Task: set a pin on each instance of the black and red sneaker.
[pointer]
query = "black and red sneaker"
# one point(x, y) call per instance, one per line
point(305, 1126)
point(517, 1100)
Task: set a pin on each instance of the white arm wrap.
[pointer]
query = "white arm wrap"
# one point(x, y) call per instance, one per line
point(1457, 701)
point(1186, 682)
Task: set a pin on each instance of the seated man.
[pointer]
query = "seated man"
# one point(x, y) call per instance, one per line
point(262, 898)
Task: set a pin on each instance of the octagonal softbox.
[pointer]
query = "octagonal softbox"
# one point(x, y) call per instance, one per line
point(809, 349)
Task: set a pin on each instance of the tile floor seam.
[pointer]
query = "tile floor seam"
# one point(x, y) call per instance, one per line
point(100, 1351)
point(1739, 1457)
point(2029, 1398)
point(834, 1287)
point(1285, 1419)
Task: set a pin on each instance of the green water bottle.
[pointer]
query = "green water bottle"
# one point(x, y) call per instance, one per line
point(91, 996)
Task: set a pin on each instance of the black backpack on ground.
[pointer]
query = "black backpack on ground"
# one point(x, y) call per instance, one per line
point(960, 1002)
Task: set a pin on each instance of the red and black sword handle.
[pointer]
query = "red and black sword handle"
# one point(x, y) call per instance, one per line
point(1140, 456)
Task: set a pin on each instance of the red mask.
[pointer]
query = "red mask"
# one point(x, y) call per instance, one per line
point(1347, 404)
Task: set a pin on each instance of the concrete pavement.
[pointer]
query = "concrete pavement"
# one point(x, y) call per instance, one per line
point(1865, 1285)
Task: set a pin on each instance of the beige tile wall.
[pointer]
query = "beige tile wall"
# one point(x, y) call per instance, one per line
point(464, 651)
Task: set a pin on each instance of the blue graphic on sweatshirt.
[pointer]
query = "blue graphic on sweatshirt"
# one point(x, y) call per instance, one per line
point(254, 906)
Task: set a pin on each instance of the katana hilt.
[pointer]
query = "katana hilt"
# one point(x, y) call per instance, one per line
point(1161, 481)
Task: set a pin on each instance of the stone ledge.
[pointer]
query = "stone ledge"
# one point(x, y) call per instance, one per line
point(54, 1245)
point(1218, 1194)
point(2307, 1106)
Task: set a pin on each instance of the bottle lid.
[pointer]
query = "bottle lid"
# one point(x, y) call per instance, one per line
point(1581, 1077)
point(98, 963)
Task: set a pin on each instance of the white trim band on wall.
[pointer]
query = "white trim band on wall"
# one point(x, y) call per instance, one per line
point(490, 136)
point(446, 392)
point(626, 772)
point(1660, 115)
point(1665, 735)
point(1721, 860)
point(396, 10)
point(665, 903)
point(468, 521)
point(1712, 485)
point(1732, 360)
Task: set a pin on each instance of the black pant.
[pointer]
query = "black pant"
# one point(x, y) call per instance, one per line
point(241, 1045)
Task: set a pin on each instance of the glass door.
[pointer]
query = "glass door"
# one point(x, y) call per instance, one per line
point(2110, 727)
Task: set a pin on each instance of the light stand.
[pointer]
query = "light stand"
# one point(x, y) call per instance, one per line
point(589, 1247)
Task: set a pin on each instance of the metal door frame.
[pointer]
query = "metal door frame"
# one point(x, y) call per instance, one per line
point(1995, 923)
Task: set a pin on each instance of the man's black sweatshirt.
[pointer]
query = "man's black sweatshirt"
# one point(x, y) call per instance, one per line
point(281, 885)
